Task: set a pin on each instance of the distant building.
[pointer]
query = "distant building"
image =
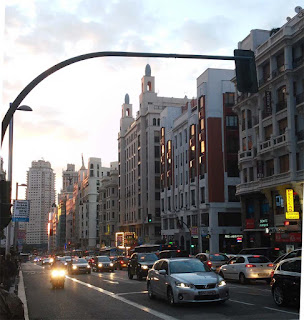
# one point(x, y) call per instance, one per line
point(41, 193)
point(199, 173)
point(139, 162)
point(271, 126)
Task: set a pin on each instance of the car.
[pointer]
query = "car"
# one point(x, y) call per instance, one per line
point(79, 265)
point(140, 263)
point(291, 254)
point(286, 282)
point(173, 254)
point(102, 263)
point(181, 280)
point(121, 262)
point(271, 253)
point(213, 260)
point(47, 261)
point(247, 267)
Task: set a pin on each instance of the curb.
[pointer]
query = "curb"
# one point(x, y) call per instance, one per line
point(22, 296)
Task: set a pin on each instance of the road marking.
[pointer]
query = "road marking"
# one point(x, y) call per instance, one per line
point(22, 295)
point(133, 304)
point(125, 293)
point(281, 310)
point(249, 304)
point(114, 278)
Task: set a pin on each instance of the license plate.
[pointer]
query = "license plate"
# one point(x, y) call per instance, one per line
point(206, 293)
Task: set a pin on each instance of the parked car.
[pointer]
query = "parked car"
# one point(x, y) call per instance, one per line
point(121, 262)
point(286, 282)
point(214, 261)
point(185, 280)
point(271, 253)
point(102, 263)
point(247, 267)
point(140, 263)
point(166, 254)
point(79, 265)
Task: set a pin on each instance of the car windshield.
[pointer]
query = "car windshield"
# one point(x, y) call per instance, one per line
point(80, 261)
point(188, 266)
point(104, 259)
point(218, 257)
point(258, 259)
point(148, 257)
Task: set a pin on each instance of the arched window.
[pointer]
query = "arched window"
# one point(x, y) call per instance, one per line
point(128, 112)
point(158, 122)
point(149, 86)
point(91, 170)
point(154, 122)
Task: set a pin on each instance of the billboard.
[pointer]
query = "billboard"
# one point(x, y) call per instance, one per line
point(21, 211)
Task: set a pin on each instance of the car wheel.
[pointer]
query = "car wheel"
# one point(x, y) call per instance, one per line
point(170, 296)
point(130, 275)
point(278, 296)
point(243, 279)
point(151, 295)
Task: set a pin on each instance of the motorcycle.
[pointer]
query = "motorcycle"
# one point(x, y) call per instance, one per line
point(58, 278)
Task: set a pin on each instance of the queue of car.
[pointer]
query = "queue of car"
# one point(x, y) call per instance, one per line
point(178, 277)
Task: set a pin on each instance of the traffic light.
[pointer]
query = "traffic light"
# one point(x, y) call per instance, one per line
point(149, 217)
point(5, 204)
point(246, 76)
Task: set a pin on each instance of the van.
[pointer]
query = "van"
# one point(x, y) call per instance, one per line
point(269, 252)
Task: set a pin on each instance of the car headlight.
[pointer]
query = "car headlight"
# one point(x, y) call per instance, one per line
point(88, 266)
point(183, 285)
point(145, 267)
point(61, 273)
point(51, 260)
point(99, 265)
point(65, 263)
point(55, 273)
point(111, 264)
point(221, 283)
point(74, 267)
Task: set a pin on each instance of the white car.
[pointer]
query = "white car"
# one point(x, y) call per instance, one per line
point(247, 267)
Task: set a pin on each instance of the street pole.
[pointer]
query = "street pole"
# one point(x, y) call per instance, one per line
point(9, 178)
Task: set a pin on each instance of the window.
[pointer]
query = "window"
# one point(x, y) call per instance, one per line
point(232, 145)
point(249, 119)
point(269, 168)
point(229, 219)
point(284, 163)
point(232, 168)
point(231, 121)
point(243, 119)
point(268, 132)
point(228, 99)
point(156, 151)
point(202, 195)
point(292, 266)
point(193, 197)
point(282, 125)
point(171, 223)
point(231, 194)
point(154, 122)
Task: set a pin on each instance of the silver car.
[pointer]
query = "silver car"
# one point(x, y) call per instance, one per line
point(185, 280)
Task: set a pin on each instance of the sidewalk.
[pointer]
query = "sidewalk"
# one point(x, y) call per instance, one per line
point(21, 294)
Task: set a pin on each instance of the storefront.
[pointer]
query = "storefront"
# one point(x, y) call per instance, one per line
point(230, 243)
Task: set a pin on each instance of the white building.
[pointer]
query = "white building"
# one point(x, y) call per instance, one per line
point(41, 193)
point(271, 126)
point(139, 162)
point(199, 172)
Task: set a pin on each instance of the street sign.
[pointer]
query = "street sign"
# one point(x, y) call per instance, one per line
point(21, 210)
point(292, 215)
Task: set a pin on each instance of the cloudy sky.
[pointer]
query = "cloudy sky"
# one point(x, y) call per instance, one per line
point(77, 109)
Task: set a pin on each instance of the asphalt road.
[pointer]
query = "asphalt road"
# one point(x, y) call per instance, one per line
point(114, 296)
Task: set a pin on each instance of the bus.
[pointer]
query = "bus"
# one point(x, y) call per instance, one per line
point(112, 251)
point(146, 248)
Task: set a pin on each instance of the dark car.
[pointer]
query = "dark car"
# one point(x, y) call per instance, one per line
point(286, 282)
point(79, 265)
point(121, 262)
point(102, 263)
point(271, 253)
point(140, 263)
point(292, 254)
point(167, 254)
point(214, 261)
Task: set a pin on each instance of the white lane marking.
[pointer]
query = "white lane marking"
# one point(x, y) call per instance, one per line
point(249, 304)
point(273, 309)
point(22, 295)
point(133, 304)
point(125, 293)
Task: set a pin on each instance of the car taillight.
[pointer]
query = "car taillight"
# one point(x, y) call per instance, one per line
point(121, 261)
point(250, 265)
point(209, 263)
point(270, 265)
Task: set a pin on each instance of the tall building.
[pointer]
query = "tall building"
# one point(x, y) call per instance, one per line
point(108, 207)
point(69, 178)
point(41, 193)
point(139, 162)
point(199, 173)
point(271, 126)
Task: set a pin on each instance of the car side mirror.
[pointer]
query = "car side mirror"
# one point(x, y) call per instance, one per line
point(162, 272)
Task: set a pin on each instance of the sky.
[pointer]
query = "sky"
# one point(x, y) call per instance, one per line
point(77, 109)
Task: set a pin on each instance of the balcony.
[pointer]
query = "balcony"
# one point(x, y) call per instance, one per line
point(273, 143)
point(281, 105)
point(278, 71)
point(297, 62)
point(245, 155)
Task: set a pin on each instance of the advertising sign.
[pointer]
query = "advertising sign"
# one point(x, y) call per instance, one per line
point(119, 239)
point(21, 211)
point(249, 223)
point(288, 237)
point(290, 214)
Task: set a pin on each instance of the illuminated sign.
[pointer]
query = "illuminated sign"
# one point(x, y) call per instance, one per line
point(119, 239)
point(233, 236)
point(290, 214)
point(263, 223)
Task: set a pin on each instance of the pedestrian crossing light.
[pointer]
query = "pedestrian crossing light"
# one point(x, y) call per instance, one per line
point(246, 76)
point(149, 217)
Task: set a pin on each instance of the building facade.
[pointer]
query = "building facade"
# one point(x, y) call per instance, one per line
point(139, 162)
point(41, 193)
point(199, 173)
point(271, 126)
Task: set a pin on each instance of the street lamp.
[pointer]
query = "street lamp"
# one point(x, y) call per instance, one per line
point(16, 227)
point(10, 170)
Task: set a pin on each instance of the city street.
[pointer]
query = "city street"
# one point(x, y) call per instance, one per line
point(114, 296)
